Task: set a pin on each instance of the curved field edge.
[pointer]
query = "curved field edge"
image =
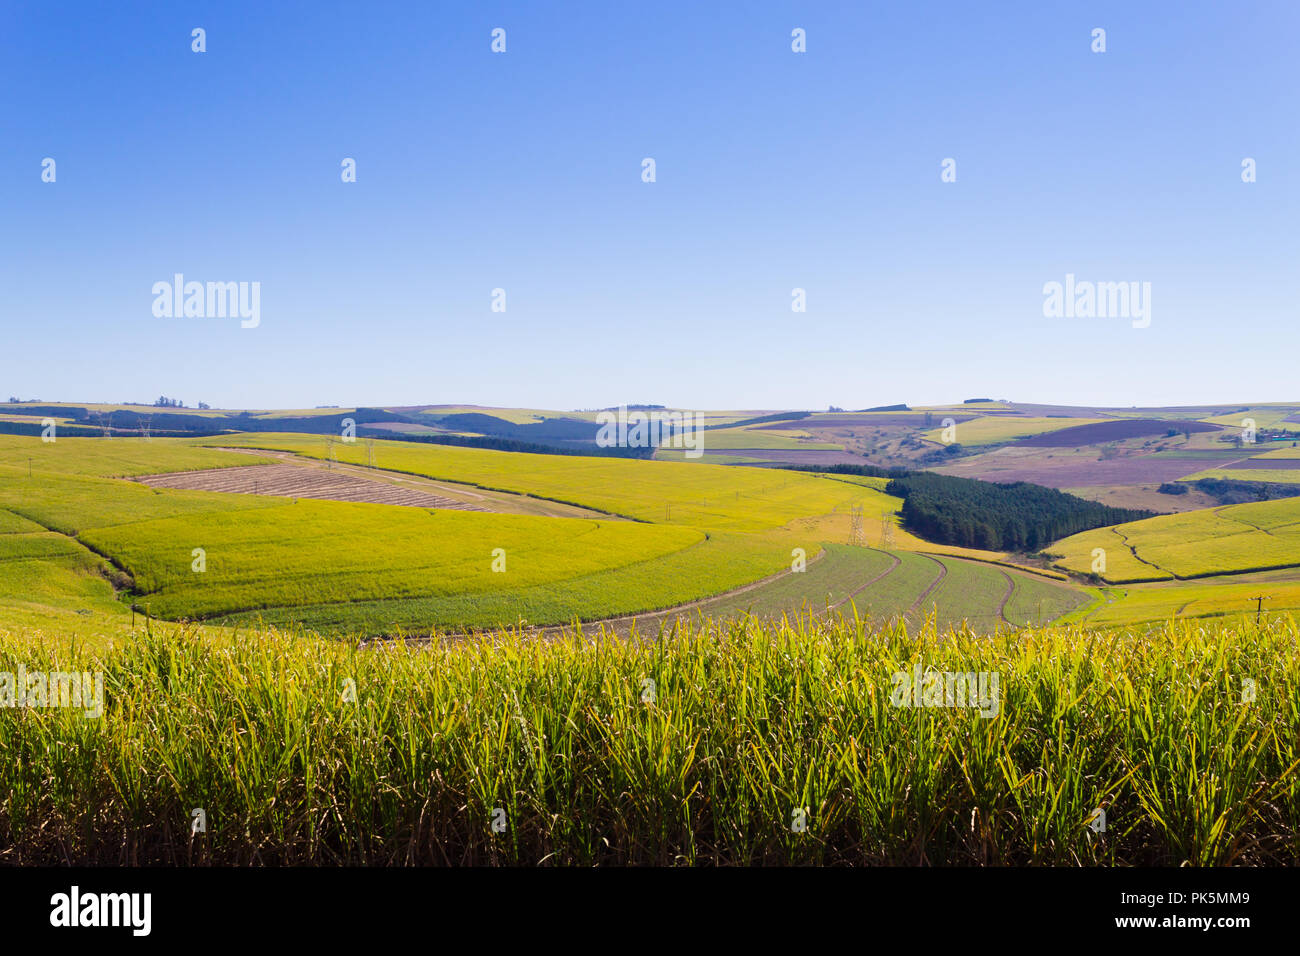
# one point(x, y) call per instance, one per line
point(716, 497)
point(692, 749)
point(718, 564)
point(312, 552)
point(1232, 539)
point(873, 583)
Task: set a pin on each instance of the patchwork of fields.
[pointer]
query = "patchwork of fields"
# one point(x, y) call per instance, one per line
point(233, 557)
point(457, 538)
point(994, 429)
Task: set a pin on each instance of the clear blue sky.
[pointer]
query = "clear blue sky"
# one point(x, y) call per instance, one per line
point(775, 170)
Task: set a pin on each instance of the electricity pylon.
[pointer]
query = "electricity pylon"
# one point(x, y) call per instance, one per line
point(856, 537)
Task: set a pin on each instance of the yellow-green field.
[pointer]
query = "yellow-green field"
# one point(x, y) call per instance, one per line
point(1287, 451)
point(1264, 416)
point(110, 457)
point(1204, 597)
point(721, 439)
point(1277, 476)
point(993, 429)
point(1230, 539)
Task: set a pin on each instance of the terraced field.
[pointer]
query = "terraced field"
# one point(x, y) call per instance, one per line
point(829, 581)
point(1232, 539)
point(882, 585)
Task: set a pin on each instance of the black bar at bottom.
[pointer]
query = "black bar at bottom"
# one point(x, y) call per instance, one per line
point(335, 906)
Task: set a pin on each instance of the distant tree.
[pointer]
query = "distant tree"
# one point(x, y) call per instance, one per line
point(204, 405)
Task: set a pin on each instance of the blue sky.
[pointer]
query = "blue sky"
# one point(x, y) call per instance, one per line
point(775, 170)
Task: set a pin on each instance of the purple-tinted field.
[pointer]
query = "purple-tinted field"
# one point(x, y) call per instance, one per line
point(1081, 474)
point(1118, 430)
point(883, 419)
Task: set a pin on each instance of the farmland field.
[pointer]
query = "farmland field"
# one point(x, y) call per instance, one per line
point(697, 495)
point(1279, 476)
point(886, 585)
point(112, 458)
point(1091, 434)
point(744, 716)
point(1288, 451)
point(405, 547)
point(1232, 539)
point(1004, 428)
point(1067, 468)
point(1205, 597)
point(721, 439)
point(1265, 416)
point(293, 481)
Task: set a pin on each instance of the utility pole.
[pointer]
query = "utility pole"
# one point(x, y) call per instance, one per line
point(1259, 606)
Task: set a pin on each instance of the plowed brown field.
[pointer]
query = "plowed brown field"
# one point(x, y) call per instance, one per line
point(297, 481)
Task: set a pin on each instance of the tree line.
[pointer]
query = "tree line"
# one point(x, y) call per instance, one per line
point(997, 517)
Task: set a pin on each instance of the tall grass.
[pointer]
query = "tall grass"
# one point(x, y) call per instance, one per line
point(748, 722)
